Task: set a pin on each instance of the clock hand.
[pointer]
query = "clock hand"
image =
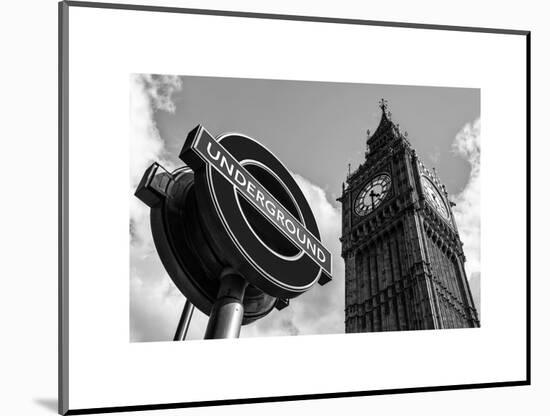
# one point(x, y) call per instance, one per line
point(372, 195)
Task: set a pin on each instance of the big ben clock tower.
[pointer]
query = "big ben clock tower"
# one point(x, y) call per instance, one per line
point(403, 255)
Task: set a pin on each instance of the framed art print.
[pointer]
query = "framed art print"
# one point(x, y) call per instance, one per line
point(259, 208)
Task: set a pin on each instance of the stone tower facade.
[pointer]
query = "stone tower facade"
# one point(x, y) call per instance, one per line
point(403, 255)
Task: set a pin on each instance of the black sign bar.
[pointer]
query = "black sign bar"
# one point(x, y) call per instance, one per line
point(201, 146)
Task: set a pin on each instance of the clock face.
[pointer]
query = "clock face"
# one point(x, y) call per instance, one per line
point(372, 194)
point(434, 198)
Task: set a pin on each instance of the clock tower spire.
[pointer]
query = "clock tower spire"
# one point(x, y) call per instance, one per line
point(404, 263)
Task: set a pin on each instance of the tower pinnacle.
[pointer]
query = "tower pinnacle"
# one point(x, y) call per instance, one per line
point(383, 104)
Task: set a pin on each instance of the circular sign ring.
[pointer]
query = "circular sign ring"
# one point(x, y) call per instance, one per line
point(186, 255)
point(235, 238)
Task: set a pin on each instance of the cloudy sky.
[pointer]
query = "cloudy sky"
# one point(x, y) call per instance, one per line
point(316, 129)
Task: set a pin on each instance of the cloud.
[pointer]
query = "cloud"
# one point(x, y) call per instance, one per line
point(321, 309)
point(159, 90)
point(434, 156)
point(468, 202)
point(148, 93)
point(155, 302)
point(155, 308)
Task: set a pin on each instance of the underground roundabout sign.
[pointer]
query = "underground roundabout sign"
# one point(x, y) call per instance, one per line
point(235, 208)
point(253, 199)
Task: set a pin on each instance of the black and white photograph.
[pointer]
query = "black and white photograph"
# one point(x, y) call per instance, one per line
point(276, 207)
point(259, 208)
point(390, 173)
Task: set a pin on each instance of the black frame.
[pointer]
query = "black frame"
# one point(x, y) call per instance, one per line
point(63, 247)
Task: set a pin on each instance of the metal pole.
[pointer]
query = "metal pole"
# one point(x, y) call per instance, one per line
point(227, 313)
point(183, 325)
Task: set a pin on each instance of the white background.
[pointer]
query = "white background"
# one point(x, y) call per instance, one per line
point(29, 247)
point(106, 370)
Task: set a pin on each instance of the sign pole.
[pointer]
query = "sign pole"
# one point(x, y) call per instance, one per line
point(185, 319)
point(272, 243)
point(227, 313)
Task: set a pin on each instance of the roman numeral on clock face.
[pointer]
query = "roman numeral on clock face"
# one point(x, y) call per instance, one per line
point(372, 194)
